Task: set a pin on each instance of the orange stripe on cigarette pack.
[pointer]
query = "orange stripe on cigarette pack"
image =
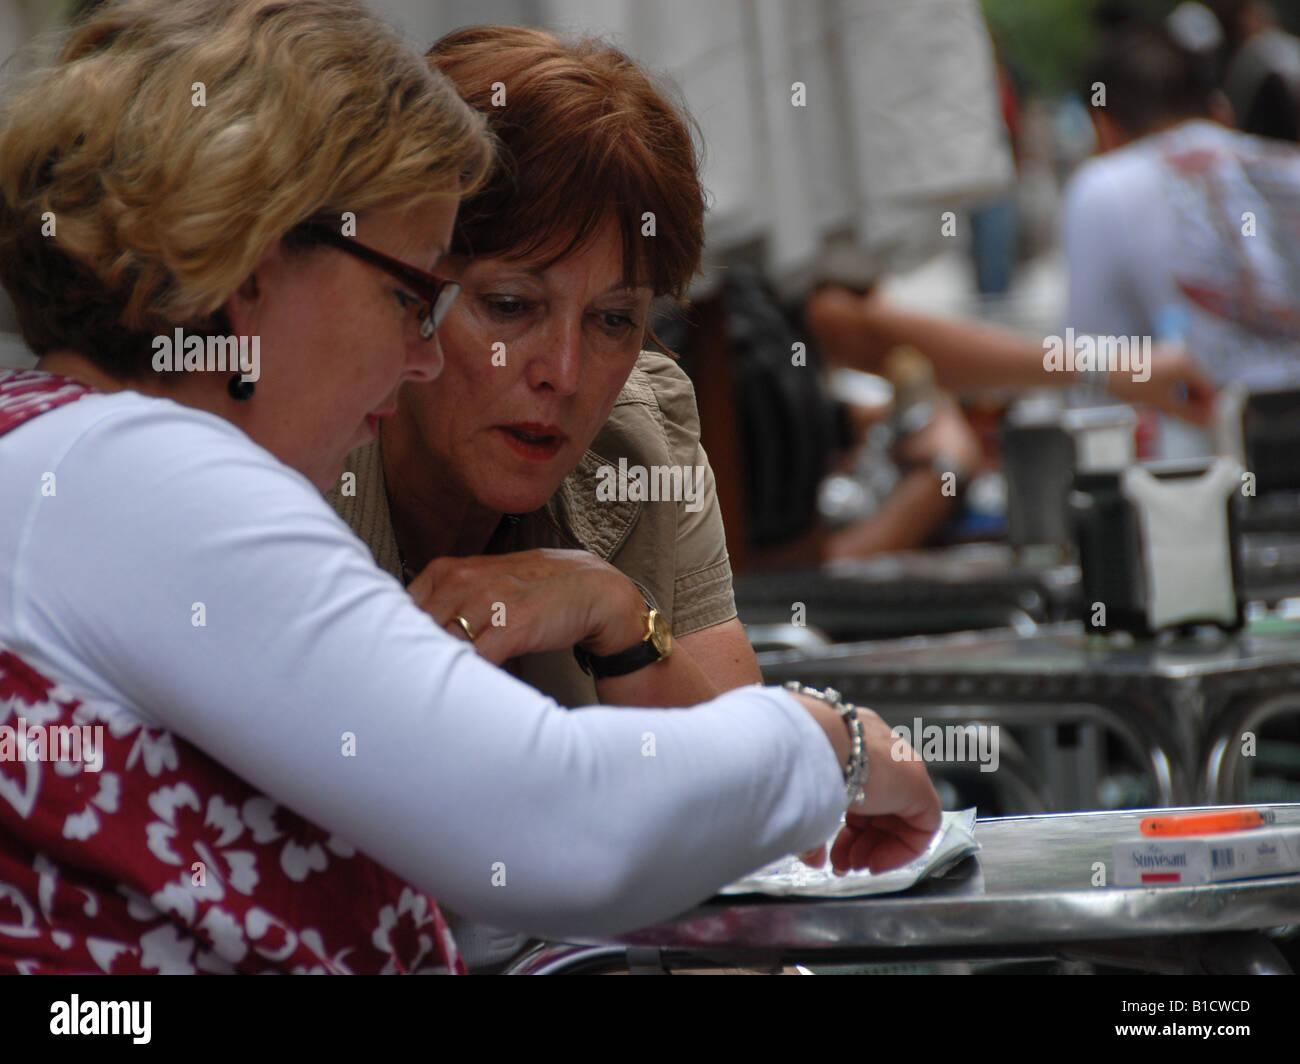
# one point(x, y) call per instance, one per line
point(1206, 823)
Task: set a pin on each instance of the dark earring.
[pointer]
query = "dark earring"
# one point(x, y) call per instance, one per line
point(240, 390)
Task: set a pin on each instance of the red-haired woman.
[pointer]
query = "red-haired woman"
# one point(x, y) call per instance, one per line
point(549, 492)
point(550, 428)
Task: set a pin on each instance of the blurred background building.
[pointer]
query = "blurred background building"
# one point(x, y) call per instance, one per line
point(910, 110)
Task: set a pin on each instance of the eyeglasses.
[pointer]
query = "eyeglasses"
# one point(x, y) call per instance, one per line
point(437, 295)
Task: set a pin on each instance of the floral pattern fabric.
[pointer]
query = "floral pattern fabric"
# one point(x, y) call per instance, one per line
point(165, 862)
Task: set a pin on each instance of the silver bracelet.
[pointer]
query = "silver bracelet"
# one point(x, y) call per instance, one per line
point(855, 773)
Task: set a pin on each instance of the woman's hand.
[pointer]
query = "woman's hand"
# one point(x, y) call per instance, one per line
point(532, 601)
point(900, 811)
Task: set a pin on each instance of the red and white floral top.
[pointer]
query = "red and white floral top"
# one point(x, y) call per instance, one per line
point(163, 861)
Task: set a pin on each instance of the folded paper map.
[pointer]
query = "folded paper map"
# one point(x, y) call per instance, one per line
point(954, 840)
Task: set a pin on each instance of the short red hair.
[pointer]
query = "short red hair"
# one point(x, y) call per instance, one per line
point(584, 135)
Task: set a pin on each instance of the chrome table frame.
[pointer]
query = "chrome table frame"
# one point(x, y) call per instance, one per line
point(1178, 706)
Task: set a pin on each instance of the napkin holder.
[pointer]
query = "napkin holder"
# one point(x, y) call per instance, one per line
point(1160, 545)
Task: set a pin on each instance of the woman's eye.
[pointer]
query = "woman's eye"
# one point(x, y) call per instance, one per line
point(505, 307)
point(616, 322)
point(404, 299)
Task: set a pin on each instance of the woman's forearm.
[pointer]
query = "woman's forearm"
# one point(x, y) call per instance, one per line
point(678, 680)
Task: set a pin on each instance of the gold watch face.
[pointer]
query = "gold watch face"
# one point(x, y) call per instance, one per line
point(661, 635)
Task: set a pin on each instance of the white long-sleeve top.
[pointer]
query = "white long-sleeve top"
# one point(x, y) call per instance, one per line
point(125, 521)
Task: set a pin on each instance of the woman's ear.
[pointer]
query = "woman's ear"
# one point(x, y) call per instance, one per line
point(242, 306)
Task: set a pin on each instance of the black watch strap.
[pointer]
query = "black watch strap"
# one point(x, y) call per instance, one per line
point(637, 657)
point(656, 646)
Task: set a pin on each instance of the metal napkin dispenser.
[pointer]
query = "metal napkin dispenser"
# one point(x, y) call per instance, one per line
point(1043, 446)
point(1160, 545)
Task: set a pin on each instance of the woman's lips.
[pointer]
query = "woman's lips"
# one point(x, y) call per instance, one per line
point(535, 442)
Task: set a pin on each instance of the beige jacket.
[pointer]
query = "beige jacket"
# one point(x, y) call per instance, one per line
point(674, 549)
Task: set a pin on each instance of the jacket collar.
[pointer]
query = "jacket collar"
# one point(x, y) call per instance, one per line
point(600, 527)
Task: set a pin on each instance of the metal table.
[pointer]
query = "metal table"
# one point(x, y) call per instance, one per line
point(1028, 893)
point(1179, 705)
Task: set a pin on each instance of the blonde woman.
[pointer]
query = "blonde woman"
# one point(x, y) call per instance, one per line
point(280, 726)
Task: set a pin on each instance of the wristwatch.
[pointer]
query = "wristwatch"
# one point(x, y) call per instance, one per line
point(856, 771)
point(656, 646)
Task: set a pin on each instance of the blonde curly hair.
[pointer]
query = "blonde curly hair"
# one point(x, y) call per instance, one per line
point(130, 204)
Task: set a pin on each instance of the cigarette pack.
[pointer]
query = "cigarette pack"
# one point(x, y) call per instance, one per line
point(1176, 860)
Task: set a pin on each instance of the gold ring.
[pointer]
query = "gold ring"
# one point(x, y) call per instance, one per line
point(464, 624)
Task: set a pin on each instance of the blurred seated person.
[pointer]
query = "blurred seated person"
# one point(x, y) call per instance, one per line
point(901, 483)
point(817, 466)
point(785, 434)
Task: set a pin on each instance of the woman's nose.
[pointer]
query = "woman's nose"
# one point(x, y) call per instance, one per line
point(425, 359)
point(557, 362)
